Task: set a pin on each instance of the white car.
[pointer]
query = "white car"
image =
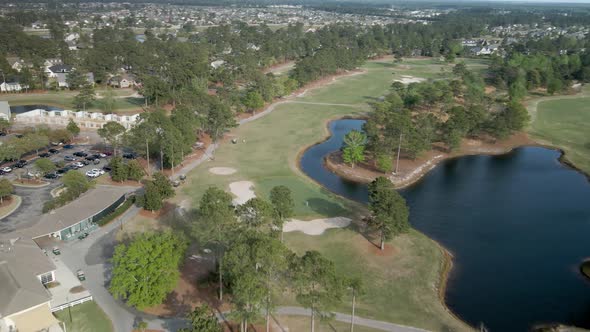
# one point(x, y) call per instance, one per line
point(98, 171)
point(102, 155)
point(7, 169)
point(92, 174)
point(78, 164)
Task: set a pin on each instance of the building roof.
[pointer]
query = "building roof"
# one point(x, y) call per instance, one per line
point(60, 68)
point(21, 261)
point(5, 108)
point(90, 203)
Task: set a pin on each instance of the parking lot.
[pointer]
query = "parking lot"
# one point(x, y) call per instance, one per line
point(59, 157)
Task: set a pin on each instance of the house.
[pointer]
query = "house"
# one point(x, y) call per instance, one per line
point(4, 110)
point(58, 69)
point(12, 87)
point(62, 77)
point(16, 63)
point(123, 81)
point(217, 64)
point(486, 50)
point(24, 272)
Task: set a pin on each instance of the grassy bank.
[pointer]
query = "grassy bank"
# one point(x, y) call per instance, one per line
point(402, 286)
point(85, 317)
point(565, 123)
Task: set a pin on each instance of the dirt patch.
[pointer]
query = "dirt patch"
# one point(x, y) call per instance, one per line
point(192, 288)
point(406, 79)
point(6, 201)
point(387, 251)
point(106, 180)
point(157, 214)
point(30, 183)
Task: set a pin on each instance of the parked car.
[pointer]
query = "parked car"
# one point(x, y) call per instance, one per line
point(90, 158)
point(98, 170)
point(80, 274)
point(68, 146)
point(69, 158)
point(80, 154)
point(92, 174)
point(96, 161)
point(53, 151)
point(107, 168)
point(2, 133)
point(20, 164)
point(50, 176)
point(6, 169)
point(85, 162)
point(44, 155)
point(2, 172)
point(82, 236)
point(97, 156)
point(57, 143)
point(78, 164)
point(31, 174)
point(129, 155)
point(103, 155)
point(56, 251)
point(62, 170)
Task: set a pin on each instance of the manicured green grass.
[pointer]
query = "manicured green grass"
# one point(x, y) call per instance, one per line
point(565, 123)
point(300, 323)
point(64, 99)
point(86, 317)
point(402, 286)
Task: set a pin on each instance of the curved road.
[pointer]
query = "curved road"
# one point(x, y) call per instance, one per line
point(30, 209)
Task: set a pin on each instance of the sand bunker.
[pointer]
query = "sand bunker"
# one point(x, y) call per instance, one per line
point(222, 170)
point(405, 79)
point(242, 190)
point(316, 226)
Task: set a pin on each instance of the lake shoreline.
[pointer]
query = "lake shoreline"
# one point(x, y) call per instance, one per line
point(446, 264)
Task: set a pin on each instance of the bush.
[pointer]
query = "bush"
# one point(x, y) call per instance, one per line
point(118, 211)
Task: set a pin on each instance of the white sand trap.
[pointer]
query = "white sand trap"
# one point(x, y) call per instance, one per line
point(316, 226)
point(405, 79)
point(242, 190)
point(222, 170)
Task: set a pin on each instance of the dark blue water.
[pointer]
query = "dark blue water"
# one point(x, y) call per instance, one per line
point(27, 108)
point(518, 226)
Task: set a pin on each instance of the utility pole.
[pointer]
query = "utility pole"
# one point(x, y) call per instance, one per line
point(399, 148)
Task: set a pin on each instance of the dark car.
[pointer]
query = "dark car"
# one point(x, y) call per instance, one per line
point(2, 133)
point(96, 156)
point(20, 164)
point(68, 146)
point(62, 170)
point(69, 158)
point(129, 155)
point(85, 162)
point(80, 154)
point(54, 151)
point(19, 135)
point(44, 155)
point(2, 172)
point(107, 168)
point(108, 153)
point(96, 161)
point(50, 176)
point(90, 158)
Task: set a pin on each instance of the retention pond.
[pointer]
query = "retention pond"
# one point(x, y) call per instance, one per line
point(518, 226)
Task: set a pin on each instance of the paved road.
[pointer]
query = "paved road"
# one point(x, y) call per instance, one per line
point(30, 209)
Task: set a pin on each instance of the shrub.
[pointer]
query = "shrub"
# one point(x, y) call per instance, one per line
point(118, 211)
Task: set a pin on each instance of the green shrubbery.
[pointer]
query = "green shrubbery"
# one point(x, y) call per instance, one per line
point(118, 211)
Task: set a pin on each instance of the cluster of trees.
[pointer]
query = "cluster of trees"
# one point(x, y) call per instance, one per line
point(519, 73)
point(147, 269)
point(411, 118)
point(155, 192)
point(75, 184)
point(33, 140)
point(254, 264)
point(121, 171)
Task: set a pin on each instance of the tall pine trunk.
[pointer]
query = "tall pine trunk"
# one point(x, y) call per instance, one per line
point(353, 307)
point(312, 321)
point(220, 279)
point(382, 240)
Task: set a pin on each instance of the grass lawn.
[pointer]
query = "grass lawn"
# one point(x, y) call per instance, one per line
point(64, 99)
point(402, 287)
point(86, 317)
point(565, 123)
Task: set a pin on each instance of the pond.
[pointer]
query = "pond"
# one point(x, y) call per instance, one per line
point(26, 108)
point(518, 226)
